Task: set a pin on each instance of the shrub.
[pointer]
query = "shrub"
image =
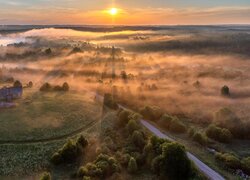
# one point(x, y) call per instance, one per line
point(70, 151)
point(200, 138)
point(229, 160)
point(65, 86)
point(166, 120)
point(219, 134)
point(123, 118)
point(152, 113)
point(191, 132)
point(177, 126)
point(226, 118)
point(46, 176)
point(45, 87)
point(30, 84)
point(57, 88)
point(17, 84)
point(48, 51)
point(225, 91)
point(132, 166)
point(132, 126)
point(138, 139)
point(246, 165)
point(103, 166)
point(172, 162)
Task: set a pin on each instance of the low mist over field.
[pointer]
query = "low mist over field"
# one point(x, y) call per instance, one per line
point(173, 58)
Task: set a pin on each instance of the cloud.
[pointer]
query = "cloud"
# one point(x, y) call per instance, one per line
point(69, 15)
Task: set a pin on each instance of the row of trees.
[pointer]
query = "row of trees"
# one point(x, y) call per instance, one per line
point(48, 87)
point(231, 161)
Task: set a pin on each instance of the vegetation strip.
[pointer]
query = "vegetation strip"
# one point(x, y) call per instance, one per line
point(49, 139)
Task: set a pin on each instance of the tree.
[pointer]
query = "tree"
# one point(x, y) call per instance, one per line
point(219, 134)
point(177, 126)
point(132, 126)
point(124, 75)
point(225, 91)
point(48, 51)
point(45, 87)
point(229, 160)
point(138, 139)
point(30, 84)
point(46, 176)
point(200, 138)
point(17, 84)
point(65, 86)
point(132, 166)
point(173, 162)
point(152, 113)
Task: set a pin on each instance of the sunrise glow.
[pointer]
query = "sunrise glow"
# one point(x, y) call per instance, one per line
point(113, 11)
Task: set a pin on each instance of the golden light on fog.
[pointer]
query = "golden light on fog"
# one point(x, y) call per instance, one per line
point(113, 11)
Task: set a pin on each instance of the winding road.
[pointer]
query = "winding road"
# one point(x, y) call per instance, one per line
point(210, 173)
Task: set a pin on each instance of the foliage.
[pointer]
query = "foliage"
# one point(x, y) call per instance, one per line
point(132, 126)
point(132, 166)
point(177, 126)
point(229, 160)
point(138, 139)
point(48, 51)
point(45, 87)
point(123, 118)
point(219, 134)
point(103, 166)
point(225, 91)
point(226, 118)
point(70, 151)
point(172, 124)
point(46, 176)
point(191, 132)
point(200, 138)
point(65, 86)
point(172, 162)
point(17, 84)
point(152, 113)
point(246, 164)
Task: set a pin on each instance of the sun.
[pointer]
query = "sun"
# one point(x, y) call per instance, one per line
point(113, 11)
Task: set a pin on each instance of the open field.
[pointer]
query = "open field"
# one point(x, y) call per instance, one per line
point(176, 73)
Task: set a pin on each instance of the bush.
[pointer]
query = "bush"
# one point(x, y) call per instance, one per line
point(45, 176)
point(17, 84)
point(219, 134)
point(123, 118)
point(229, 160)
point(103, 166)
point(166, 120)
point(65, 86)
point(225, 91)
point(30, 84)
point(132, 126)
point(226, 118)
point(48, 51)
point(200, 138)
point(191, 132)
point(152, 113)
point(132, 166)
point(138, 139)
point(45, 87)
point(173, 162)
point(70, 151)
point(177, 126)
point(246, 165)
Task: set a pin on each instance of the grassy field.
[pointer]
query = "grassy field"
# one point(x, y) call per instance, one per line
point(47, 115)
point(41, 123)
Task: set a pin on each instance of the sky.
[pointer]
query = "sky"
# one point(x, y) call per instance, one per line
point(130, 12)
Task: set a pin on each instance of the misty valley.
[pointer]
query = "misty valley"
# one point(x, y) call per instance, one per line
point(125, 102)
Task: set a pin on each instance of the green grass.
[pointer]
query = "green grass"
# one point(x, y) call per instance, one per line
point(40, 116)
point(46, 115)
